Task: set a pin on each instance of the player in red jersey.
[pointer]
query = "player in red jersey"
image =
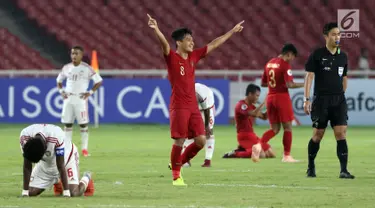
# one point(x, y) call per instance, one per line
point(245, 111)
point(185, 117)
point(278, 77)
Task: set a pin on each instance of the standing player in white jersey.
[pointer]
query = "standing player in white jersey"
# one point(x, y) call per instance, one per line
point(78, 75)
point(206, 105)
point(55, 158)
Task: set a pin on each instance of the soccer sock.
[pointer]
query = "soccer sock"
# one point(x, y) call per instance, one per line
point(342, 154)
point(85, 181)
point(267, 136)
point(176, 161)
point(287, 142)
point(243, 154)
point(190, 152)
point(210, 145)
point(85, 137)
point(313, 149)
point(187, 143)
point(68, 132)
point(265, 146)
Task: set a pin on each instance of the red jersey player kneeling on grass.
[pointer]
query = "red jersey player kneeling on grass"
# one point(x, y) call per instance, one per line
point(185, 118)
point(245, 111)
point(278, 77)
point(56, 161)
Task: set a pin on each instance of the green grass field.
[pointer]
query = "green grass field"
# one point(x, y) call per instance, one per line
point(130, 166)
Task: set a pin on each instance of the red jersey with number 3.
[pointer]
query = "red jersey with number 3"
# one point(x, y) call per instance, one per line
point(244, 122)
point(277, 73)
point(181, 75)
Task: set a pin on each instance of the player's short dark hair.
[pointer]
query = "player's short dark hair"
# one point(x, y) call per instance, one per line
point(289, 47)
point(329, 26)
point(179, 34)
point(77, 47)
point(252, 88)
point(34, 149)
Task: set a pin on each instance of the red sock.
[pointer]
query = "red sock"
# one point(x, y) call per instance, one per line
point(243, 154)
point(190, 152)
point(176, 161)
point(265, 146)
point(287, 142)
point(267, 136)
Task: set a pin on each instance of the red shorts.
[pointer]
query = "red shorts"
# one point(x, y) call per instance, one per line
point(279, 108)
point(247, 139)
point(186, 123)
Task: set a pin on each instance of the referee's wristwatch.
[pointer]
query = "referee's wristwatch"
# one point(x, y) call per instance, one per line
point(306, 99)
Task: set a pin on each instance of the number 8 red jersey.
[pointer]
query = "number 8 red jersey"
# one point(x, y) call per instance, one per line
point(277, 73)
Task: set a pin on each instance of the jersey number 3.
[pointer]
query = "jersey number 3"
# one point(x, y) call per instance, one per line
point(272, 81)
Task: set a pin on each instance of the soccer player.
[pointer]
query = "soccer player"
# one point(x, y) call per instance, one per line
point(55, 158)
point(329, 66)
point(244, 113)
point(278, 77)
point(206, 105)
point(78, 75)
point(185, 118)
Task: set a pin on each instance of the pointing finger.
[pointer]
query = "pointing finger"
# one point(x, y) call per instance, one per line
point(241, 22)
point(149, 16)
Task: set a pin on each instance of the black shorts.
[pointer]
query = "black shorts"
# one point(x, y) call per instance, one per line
point(331, 108)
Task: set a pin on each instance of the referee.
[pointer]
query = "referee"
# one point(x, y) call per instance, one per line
point(329, 67)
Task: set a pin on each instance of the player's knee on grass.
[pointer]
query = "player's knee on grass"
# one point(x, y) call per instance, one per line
point(75, 190)
point(270, 153)
point(68, 125)
point(318, 135)
point(35, 191)
point(200, 140)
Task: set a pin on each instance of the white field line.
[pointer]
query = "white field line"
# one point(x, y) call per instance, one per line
point(265, 186)
point(159, 206)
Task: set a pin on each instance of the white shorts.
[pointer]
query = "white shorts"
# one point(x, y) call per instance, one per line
point(43, 176)
point(212, 117)
point(74, 108)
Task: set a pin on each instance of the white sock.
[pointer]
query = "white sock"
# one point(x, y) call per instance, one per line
point(210, 145)
point(85, 180)
point(85, 138)
point(68, 133)
point(186, 144)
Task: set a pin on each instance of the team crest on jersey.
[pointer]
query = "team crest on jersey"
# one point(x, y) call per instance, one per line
point(48, 153)
point(243, 106)
point(289, 72)
point(341, 71)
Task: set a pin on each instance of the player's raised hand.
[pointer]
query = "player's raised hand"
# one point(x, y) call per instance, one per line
point(152, 22)
point(307, 107)
point(238, 27)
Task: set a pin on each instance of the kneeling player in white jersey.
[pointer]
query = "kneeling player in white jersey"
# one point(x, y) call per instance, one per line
point(206, 104)
point(78, 75)
point(56, 158)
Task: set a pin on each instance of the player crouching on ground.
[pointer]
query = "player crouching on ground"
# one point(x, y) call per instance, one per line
point(248, 141)
point(206, 105)
point(55, 158)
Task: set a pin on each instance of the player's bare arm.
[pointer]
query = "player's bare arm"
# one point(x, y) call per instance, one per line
point(60, 85)
point(294, 85)
point(262, 116)
point(308, 82)
point(27, 168)
point(256, 111)
point(163, 41)
point(345, 83)
point(96, 86)
point(60, 162)
point(220, 40)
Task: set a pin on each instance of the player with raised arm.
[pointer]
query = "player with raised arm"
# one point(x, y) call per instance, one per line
point(244, 113)
point(78, 75)
point(185, 119)
point(55, 158)
point(278, 77)
point(206, 105)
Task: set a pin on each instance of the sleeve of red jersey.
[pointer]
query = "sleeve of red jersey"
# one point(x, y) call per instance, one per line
point(168, 57)
point(288, 75)
point(199, 53)
point(242, 108)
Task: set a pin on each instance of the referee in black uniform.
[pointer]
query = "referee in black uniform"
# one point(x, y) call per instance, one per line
point(329, 67)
